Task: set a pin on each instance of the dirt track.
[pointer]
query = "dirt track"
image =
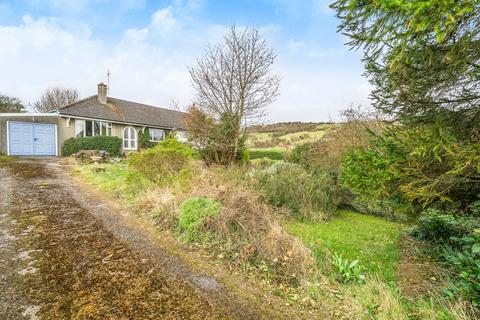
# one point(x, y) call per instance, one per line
point(59, 261)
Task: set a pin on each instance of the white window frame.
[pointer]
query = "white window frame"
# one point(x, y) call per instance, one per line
point(108, 128)
point(129, 138)
point(77, 126)
point(107, 125)
point(150, 132)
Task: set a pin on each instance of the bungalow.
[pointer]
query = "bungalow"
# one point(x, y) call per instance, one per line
point(43, 134)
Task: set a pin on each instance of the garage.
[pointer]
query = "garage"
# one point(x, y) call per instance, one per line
point(31, 139)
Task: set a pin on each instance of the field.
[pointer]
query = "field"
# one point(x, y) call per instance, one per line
point(286, 135)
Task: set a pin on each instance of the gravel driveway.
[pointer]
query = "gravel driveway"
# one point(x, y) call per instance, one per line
point(58, 260)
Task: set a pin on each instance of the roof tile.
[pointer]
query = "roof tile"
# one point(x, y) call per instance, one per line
point(118, 110)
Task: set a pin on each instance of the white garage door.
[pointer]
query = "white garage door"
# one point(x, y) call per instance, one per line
point(31, 139)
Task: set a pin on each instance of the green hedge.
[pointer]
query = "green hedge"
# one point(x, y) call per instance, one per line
point(112, 145)
point(270, 154)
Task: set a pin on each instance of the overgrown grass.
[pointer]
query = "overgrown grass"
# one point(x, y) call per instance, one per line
point(116, 179)
point(277, 153)
point(6, 159)
point(373, 241)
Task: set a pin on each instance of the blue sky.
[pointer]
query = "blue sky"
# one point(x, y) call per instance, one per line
point(147, 45)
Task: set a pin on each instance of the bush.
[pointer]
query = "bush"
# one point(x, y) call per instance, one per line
point(194, 212)
point(245, 232)
point(270, 154)
point(300, 153)
point(463, 256)
point(312, 196)
point(245, 156)
point(112, 145)
point(439, 227)
point(167, 161)
point(144, 139)
point(415, 168)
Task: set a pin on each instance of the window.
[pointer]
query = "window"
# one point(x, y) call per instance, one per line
point(182, 136)
point(90, 128)
point(156, 134)
point(129, 138)
point(105, 129)
point(79, 128)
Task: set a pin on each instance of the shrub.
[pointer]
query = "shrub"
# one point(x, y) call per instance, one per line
point(312, 196)
point(110, 144)
point(193, 214)
point(218, 141)
point(270, 154)
point(144, 139)
point(474, 209)
point(463, 256)
point(246, 232)
point(439, 227)
point(416, 168)
point(261, 164)
point(245, 156)
point(167, 161)
point(348, 271)
point(300, 153)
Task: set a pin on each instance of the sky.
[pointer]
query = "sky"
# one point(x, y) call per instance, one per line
point(148, 46)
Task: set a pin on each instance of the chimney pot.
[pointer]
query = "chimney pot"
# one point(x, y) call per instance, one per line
point(102, 93)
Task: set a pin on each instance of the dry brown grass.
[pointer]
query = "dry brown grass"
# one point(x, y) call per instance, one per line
point(160, 205)
point(375, 300)
point(246, 231)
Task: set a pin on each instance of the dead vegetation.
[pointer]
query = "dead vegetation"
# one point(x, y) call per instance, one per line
point(245, 231)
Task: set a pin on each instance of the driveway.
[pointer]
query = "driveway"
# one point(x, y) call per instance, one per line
point(64, 255)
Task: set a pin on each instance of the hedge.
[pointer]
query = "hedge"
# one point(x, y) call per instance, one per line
point(110, 144)
point(270, 154)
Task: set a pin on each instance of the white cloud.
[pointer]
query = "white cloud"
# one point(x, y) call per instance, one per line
point(148, 64)
point(162, 20)
point(295, 45)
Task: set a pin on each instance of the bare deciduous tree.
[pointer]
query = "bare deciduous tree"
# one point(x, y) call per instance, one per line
point(55, 98)
point(234, 79)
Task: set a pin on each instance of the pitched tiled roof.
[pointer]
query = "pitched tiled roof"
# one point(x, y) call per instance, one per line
point(118, 110)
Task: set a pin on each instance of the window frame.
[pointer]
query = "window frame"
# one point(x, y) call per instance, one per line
point(77, 126)
point(129, 138)
point(93, 125)
point(150, 130)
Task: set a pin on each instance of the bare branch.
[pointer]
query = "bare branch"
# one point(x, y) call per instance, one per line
point(54, 99)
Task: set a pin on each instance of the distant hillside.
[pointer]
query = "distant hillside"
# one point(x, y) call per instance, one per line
point(287, 127)
point(286, 134)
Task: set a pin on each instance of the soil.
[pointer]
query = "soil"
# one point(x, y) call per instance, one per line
point(64, 255)
point(417, 274)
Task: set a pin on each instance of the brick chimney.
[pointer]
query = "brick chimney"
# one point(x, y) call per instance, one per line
point(102, 93)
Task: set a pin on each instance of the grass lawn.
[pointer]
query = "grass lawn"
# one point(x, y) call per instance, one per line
point(115, 179)
point(372, 240)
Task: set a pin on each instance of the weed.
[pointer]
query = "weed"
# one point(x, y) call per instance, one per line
point(194, 212)
point(348, 271)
